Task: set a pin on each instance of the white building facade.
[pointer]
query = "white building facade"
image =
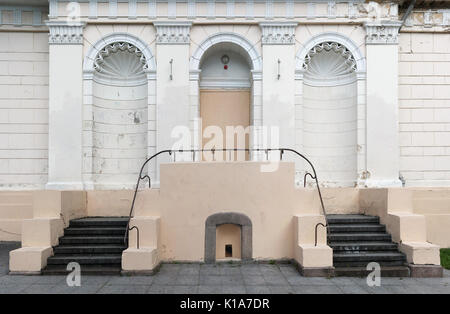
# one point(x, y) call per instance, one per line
point(90, 89)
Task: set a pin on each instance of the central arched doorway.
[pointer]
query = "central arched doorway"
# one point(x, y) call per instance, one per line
point(225, 84)
point(225, 75)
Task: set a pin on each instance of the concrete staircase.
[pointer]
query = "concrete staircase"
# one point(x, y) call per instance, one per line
point(95, 243)
point(358, 240)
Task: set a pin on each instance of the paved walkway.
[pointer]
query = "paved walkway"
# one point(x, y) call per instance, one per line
point(204, 279)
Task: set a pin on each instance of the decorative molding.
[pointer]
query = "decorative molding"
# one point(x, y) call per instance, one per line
point(53, 8)
point(382, 33)
point(172, 9)
point(427, 20)
point(62, 33)
point(331, 37)
point(91, 56)
point(289, 9)
point(278, 33)
point(211, 9)
point(93, 5)
point(192, 10)
point(224, 37)
point(352, 11)
point(152, 9)
point(113, 9)
point(17, 16)
point(132, 9)
point(249, 10)
point(230, 9)
point(393, 10)
point(446, 18)
point(332, 9)
point(173, 32)
point(121, 63)
point(338, 49)
point(269, 9)
point(310, 10)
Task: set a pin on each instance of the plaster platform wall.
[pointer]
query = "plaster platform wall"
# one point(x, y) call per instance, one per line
point(424, 102)
point(23, 110)
point(14, 208)
point(434, 204)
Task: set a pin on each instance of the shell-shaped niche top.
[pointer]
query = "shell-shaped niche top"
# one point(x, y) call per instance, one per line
point(329, 60)
point(121, 61)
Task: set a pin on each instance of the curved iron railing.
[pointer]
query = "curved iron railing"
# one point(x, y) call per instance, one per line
point(312, 175)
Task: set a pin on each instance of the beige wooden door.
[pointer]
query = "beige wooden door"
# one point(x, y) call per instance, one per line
point(226, 108)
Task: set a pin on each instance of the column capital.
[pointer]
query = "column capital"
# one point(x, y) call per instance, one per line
point(175, 33)
point(278, 33)
point(382, 33)
point(64, 33)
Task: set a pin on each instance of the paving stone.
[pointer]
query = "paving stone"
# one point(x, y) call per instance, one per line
point(9, 280)
point(281, 289)
point(131, 280)
point(276, 280)
point(297, 280)
point(209, 270)
point(83, 289)
point(254, 280)
point(319, 281)
point(317, 290)
point(353, 289)
point(124, 289)
point(193, 269)
point(202, 289)
point(38, 289)
point(12, 289)
point(233, 289)
point(165, 279)
point(210, 280)
point(188, 280)
point(181, 289)
point(232, 280)
point(258, 289)
point(42, 280)
point(250, 269)
point(227, 271)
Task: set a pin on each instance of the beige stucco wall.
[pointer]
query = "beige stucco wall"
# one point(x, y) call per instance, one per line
point(23, 109)
point(191, 192)
point(424, 102)
point(14, 208)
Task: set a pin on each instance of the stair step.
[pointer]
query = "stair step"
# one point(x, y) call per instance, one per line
point(92, 240)
point(365, 263)
point(386, 271)
point(100, 222)
point(347, 228)
point(339, 247)
point(357, 237)
point(368, 257)
point(352, 219)
point(71, 231)
point(109, 270)
point(89, 249)
point(115, 259)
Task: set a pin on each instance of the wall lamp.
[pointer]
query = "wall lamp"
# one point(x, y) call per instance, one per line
point(171, 68)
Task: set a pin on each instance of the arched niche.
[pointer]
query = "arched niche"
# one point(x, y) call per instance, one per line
point(247, 52)
point(119, 111)
point(330, 89)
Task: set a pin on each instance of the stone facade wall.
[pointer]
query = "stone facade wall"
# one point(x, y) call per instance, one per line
point(23, 110)
point(424, 114)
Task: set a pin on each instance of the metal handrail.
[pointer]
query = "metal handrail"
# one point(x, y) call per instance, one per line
point(213, 151)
